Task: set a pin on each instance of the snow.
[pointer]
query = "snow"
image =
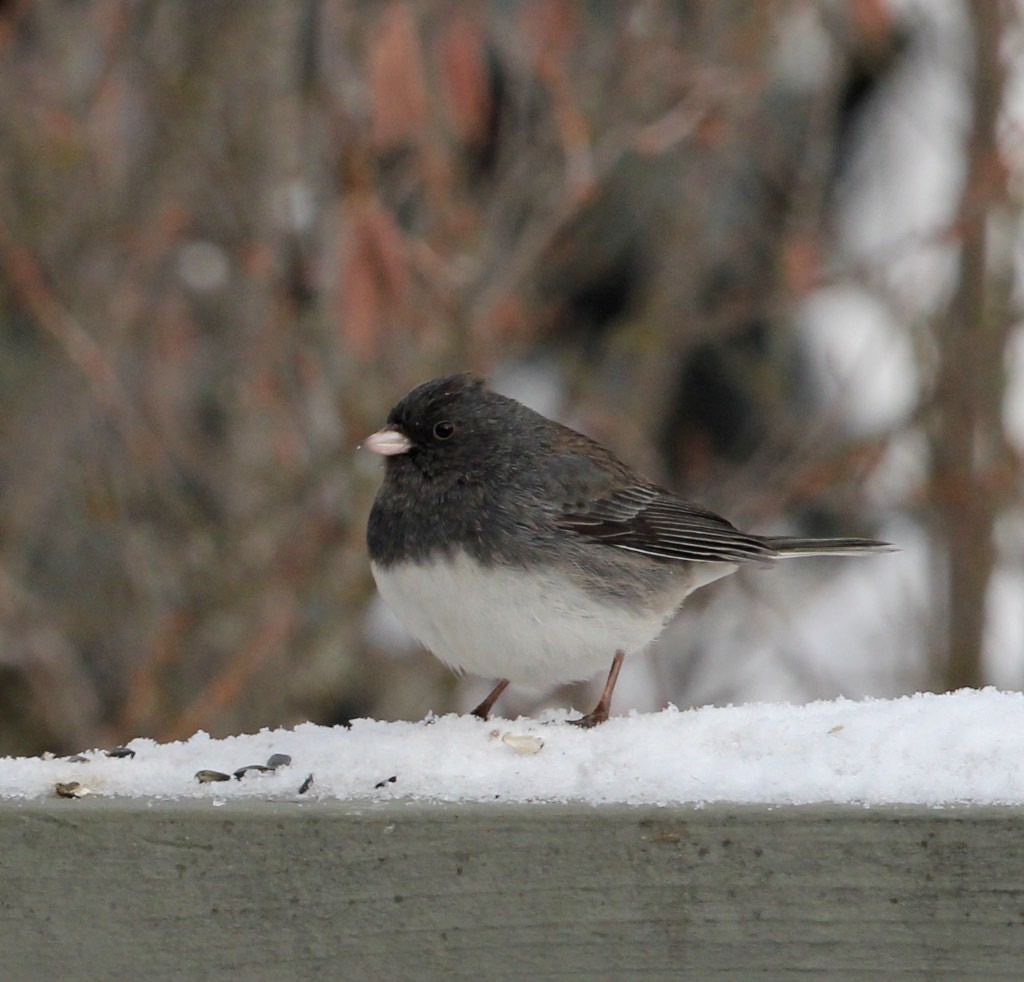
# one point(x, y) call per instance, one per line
point(963, 747)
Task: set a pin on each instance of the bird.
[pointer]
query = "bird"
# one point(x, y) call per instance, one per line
point(515, 548)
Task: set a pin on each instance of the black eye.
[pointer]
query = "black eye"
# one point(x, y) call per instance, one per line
point(444, 429)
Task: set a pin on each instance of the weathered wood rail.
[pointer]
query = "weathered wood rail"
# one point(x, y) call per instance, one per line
point(126, 889)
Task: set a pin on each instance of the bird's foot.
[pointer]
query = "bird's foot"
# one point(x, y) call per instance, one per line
point(484, 709)
point(591, 719)
point(604, 704)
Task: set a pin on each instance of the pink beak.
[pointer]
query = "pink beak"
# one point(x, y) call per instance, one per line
point(387, 442)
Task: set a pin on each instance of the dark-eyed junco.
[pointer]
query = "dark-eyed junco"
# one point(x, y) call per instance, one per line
point(516, 548)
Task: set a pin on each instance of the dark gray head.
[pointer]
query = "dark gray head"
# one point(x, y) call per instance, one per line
point(461, 472)
point(455, 426)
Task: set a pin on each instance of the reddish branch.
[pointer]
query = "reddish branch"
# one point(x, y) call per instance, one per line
point(968, 449)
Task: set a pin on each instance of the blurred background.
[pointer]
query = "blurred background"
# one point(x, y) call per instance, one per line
point(768, 252)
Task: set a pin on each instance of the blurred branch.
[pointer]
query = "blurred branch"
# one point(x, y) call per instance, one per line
point(28, 283)
point(506, 278)
point(225, 689)
point(969, 455)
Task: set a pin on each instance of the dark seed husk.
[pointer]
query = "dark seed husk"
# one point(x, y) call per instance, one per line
point(121, 752)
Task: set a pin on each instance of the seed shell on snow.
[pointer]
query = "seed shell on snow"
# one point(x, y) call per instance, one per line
point(71, 790)
point(523, 743)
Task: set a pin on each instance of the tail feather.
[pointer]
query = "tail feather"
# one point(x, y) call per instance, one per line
point(790, 548)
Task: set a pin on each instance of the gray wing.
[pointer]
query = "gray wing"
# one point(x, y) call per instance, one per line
point(647, 519)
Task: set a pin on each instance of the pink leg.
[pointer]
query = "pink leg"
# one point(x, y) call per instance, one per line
point(484, 709)
point(604, 704)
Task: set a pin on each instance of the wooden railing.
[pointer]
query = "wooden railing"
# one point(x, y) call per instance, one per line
point(152, 889)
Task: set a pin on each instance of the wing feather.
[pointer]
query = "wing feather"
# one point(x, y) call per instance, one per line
point(650, 520)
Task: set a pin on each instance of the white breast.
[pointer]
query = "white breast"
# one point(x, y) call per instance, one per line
point(534, 628)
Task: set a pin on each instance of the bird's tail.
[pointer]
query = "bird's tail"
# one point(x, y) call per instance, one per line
point(789, 548)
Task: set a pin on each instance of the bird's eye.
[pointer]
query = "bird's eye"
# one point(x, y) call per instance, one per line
point(444, 429)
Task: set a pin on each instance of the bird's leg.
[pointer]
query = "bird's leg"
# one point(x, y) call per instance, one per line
point(604, 704)
point(484, 709)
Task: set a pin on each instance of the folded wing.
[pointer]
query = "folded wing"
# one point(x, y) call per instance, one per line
point(647, 519)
